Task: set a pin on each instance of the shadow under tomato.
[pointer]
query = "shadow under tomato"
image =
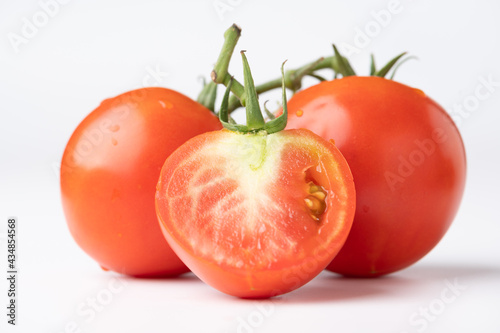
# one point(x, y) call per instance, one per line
point(444, 271)
point(331, 287)
point(188, 277)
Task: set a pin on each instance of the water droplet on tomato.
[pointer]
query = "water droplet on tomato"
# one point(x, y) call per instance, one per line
point(299, 113)
point(418, 91)
point(166, 105)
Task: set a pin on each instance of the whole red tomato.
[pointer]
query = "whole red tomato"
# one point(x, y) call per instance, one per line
point(408, 163)
point(109, 171)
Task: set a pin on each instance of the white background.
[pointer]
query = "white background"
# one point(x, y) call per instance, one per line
point(91, 50)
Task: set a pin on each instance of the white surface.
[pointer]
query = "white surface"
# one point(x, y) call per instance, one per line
point(91, 50)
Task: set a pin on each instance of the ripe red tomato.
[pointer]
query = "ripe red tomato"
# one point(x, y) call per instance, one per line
point(408, 163)
point(109, 171)
point(256, 215)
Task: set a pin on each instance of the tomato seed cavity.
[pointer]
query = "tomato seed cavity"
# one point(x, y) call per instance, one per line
point(316, 201)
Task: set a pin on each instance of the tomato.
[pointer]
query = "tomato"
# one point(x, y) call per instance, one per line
point(109, 171)
point(256, 215)
point(408, 163)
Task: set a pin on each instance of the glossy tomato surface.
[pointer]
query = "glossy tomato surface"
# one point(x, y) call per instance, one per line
point(408, 163)
point(256, 215)
point(109, 171)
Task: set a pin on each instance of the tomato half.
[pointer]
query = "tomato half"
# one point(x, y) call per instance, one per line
point(256, 215)
point(408, 163)
point(109, 171)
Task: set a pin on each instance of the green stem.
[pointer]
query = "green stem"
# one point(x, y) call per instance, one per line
point(292, 78)
point(208, 95)
point(308, 69)
point(220, 72)
point(231, 37)
point(235, 101)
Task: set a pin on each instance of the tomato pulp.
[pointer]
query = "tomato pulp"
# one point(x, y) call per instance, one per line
point(109, 171)
point(256, 215)
point(408, 163)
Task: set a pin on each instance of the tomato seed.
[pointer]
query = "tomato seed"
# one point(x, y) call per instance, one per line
point(316, 201)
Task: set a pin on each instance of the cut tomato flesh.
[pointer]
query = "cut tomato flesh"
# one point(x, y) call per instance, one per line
point(239, 201)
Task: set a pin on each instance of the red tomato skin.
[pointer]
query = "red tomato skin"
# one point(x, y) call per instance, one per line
point(408, 162)
point(109, 171)
point(292, 272)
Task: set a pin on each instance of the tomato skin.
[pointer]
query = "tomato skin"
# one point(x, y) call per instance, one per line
point(233, 209)
point(109, 171)
point(408, 163)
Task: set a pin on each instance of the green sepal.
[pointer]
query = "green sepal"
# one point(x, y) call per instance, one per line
point(399, 64)
point(269, 114)
point(342, 64)
point(372, 65)
point(252, 107)
point(255, 120)
point(384, 70)
point(224, 115)
point(279, 123)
